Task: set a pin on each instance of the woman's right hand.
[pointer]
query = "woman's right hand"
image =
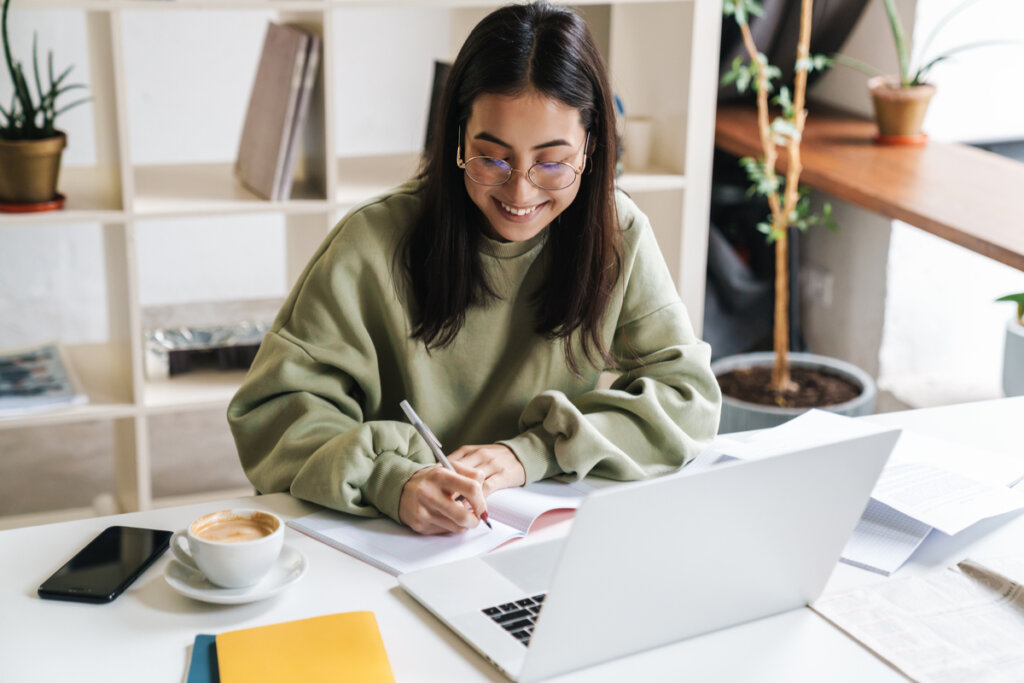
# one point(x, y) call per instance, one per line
point(430, 505)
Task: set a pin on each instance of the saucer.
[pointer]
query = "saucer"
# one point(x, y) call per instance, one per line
point(290, 567)
point(33, 207)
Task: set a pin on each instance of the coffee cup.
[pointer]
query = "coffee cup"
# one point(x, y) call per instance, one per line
point(232, 548)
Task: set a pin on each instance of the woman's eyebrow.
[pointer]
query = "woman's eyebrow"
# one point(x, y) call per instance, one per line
point(498, 141)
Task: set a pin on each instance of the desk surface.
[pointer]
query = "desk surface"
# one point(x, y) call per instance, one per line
point(965, 195)
point(145, 634)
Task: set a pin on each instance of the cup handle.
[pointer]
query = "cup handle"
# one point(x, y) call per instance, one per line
point(180, 554)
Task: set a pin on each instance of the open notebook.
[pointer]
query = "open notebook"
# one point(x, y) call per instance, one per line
point(397, 549)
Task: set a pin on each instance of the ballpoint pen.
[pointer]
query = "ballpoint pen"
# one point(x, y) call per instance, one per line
point(435, 446)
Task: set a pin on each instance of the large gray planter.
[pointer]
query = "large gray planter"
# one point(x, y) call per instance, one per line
point(1013, 359)
point(738, 416)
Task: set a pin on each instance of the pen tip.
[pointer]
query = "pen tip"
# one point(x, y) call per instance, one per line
point(486, 521)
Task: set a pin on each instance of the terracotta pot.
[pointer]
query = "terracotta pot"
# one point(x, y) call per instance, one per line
point(1013, 359)
point(29, 169)
point(899, 111)
point(738, 416)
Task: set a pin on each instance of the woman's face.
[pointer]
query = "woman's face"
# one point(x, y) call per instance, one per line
point(522, 130)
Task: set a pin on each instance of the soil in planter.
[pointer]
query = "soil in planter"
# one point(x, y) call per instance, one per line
point(816, 389)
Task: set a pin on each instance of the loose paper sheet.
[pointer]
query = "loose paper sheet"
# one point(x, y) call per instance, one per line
point(927, 483)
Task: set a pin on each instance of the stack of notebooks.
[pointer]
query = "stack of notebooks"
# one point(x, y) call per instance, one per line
point(278, 108)
point(334, 648)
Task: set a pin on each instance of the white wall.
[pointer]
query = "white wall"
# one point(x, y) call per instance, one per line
point(188, 75)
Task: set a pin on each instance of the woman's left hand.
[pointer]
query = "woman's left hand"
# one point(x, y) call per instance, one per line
point(493, 465)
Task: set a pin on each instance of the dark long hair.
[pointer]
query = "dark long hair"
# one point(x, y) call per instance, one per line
point(512, 50)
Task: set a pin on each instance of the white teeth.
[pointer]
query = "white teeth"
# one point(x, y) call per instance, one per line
point(517, 212)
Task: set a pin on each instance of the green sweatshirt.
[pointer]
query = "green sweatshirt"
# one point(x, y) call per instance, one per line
point(318, 413)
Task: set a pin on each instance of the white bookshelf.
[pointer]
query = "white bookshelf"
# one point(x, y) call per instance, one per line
point(663, 58)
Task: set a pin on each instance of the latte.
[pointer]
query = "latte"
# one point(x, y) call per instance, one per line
point(231, 529)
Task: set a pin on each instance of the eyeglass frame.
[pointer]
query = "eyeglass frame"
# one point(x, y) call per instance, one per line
point(578, 171)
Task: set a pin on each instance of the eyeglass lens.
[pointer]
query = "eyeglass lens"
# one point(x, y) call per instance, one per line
point(547, 175)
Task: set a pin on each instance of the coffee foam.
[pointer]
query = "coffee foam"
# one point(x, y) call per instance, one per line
point(227, 528)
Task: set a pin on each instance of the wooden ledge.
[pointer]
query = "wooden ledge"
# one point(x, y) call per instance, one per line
point(968, 196)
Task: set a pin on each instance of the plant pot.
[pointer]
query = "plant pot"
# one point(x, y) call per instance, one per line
point(1013, 359)
point(29, 169)
point(899, 111)
point(738, 415)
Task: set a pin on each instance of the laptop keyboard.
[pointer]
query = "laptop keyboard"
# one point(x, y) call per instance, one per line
point(517, 618)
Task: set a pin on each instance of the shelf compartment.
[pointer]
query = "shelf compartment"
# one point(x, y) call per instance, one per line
point(103, 377)
point(652, 180)
point(87, 201)
point(192, 391)
point(96, 409)
point(209, 188)
point(365, 177)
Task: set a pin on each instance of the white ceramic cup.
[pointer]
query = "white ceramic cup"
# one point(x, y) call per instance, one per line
point(232, 548)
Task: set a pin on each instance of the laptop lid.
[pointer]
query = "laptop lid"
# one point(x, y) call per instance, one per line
point(654, 562)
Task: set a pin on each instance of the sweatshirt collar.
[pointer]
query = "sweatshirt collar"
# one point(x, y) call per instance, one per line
point(506, 250)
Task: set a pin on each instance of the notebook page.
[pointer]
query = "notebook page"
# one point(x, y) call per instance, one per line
point(395, 548)
point(520, 507)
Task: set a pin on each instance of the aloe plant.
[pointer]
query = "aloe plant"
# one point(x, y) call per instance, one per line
point(1019, 300)
point(911, 75)
point(32, 116)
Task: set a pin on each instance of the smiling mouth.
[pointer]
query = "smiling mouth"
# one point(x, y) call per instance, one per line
point(518, 212)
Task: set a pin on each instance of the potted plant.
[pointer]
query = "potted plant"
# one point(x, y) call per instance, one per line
point(901, 100)
point(1013, 351)
point(30, 144)
point(767, 388)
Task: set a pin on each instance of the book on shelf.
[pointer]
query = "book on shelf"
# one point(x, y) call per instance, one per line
point(37, 378)
point(441, 70)
point(398, 549)
point(278, 109)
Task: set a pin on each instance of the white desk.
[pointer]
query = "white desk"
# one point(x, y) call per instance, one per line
point(144, 635)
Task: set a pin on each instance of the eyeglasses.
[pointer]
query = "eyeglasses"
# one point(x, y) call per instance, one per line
point(547, 175)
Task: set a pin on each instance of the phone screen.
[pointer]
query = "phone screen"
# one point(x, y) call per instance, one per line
point(100, 571)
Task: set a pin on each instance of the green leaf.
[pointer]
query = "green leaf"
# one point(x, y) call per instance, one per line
point(921, 74)
point(742, 9)
point(785, 101)
point(899, 36)
point(821, 62)
point(1019, 300)
point(814, 63)
point(770, 72)
point(71, 106)
point(784, 130)
point(864, 68)
point(941, 23)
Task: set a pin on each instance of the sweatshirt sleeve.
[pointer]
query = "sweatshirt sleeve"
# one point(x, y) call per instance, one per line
point(658, 414)
point(301, 418)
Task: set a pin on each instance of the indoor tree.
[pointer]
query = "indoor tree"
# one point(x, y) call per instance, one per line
point(790, 205)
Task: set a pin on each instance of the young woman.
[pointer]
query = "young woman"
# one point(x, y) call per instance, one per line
point(490, 292)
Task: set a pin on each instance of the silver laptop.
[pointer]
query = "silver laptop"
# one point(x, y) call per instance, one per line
point(663, 560)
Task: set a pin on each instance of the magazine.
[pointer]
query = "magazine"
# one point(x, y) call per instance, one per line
point(37, 378)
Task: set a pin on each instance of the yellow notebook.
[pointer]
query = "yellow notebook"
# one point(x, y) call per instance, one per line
point(334, 648)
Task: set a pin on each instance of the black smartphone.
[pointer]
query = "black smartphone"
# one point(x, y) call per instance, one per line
point(100, 571)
